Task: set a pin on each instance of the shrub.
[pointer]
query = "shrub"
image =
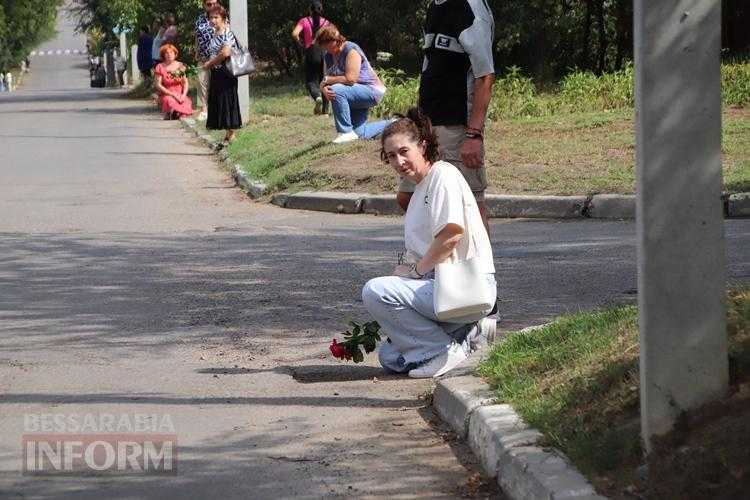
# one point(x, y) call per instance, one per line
point(735, 84)
point(515, 95)
point(402, 92)
point(585, 91)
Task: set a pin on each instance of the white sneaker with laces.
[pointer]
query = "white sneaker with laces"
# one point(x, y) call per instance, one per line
point(346, 137)
point(484, 333)
point(441, 364)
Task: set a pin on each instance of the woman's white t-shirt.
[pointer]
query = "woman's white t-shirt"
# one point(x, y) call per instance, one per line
point(438, 200)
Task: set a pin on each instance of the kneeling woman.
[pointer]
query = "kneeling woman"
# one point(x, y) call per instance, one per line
point(442, 217)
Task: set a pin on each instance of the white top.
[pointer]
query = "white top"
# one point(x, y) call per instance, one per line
point(443, 197)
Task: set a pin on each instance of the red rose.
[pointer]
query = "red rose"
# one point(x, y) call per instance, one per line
point(339, 351)
point(363, 336)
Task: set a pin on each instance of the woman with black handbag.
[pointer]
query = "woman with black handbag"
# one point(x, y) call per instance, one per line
point(223, 101)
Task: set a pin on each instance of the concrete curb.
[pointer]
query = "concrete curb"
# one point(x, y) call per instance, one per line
point(548, 207)
point(324, 201)
point(738, 205)
point(383, 204)
point(612, 206)
point(600, 206)
point(253, 188)
point(507, 448)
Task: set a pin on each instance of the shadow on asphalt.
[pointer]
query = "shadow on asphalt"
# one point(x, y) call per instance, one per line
point(226, 464)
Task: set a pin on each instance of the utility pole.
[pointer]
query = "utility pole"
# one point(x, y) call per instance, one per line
point(238, 22)
point(680, 226)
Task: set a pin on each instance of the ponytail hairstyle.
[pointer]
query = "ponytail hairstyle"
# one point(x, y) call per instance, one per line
point(316, 11)
point(418, 127)
point(329, 33)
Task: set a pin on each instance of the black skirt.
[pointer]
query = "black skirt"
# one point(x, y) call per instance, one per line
point(223, 102)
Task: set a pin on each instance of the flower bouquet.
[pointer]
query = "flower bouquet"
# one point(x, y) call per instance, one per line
point(189, 72)
point(365, 335)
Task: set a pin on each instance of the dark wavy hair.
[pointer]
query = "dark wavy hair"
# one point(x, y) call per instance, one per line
point(218, 10)
point(418, 127)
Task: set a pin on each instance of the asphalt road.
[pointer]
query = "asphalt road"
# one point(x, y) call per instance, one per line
point(135, 279)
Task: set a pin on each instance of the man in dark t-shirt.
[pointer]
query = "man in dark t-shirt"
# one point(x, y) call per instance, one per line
point(456, 86)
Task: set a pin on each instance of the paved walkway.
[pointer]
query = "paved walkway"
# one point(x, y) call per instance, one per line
point(135, 279)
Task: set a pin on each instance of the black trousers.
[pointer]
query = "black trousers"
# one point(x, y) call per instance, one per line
point(314, 73)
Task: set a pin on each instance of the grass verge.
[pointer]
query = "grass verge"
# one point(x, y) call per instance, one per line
point(577, 381)
point(569, 153)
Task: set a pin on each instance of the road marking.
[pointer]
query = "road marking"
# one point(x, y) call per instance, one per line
point(58, 52)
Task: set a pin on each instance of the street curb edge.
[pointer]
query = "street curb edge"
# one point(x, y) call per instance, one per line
point(597, 206)
point(506, 447)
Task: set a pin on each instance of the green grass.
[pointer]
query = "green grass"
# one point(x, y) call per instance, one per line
point(576, 380)
point(576, 150)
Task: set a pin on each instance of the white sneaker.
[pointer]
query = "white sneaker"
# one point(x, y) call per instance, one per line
point(346, 137)
point(441, 364)
point(484, 333)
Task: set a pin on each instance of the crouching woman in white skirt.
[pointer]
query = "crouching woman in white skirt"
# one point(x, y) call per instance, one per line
point(442, 218)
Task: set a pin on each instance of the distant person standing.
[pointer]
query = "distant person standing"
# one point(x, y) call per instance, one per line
point(145, 62)
point(170, 35)
point(204, 32)
point(158, 30)
point(456, 86)
point(304, 34)
point(223, 100)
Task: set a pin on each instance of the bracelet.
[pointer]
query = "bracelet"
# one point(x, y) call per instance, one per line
point(414, 271)
point(473, 135)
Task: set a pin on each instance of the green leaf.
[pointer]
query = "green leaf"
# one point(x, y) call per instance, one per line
point(370, 344)
point(357, 355)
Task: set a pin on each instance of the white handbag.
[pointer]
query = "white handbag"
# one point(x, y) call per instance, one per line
point(460, 291)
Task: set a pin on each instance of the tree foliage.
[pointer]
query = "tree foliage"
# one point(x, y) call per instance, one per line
point(110, 16)
point(23, 25)
point(544, 38)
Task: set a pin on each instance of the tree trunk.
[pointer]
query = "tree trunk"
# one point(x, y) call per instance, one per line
point(624, 31)
point(585, 45)
point(602, 36)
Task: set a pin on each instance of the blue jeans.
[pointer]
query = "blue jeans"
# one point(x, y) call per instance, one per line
point(351, 105)
point(404, 308)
